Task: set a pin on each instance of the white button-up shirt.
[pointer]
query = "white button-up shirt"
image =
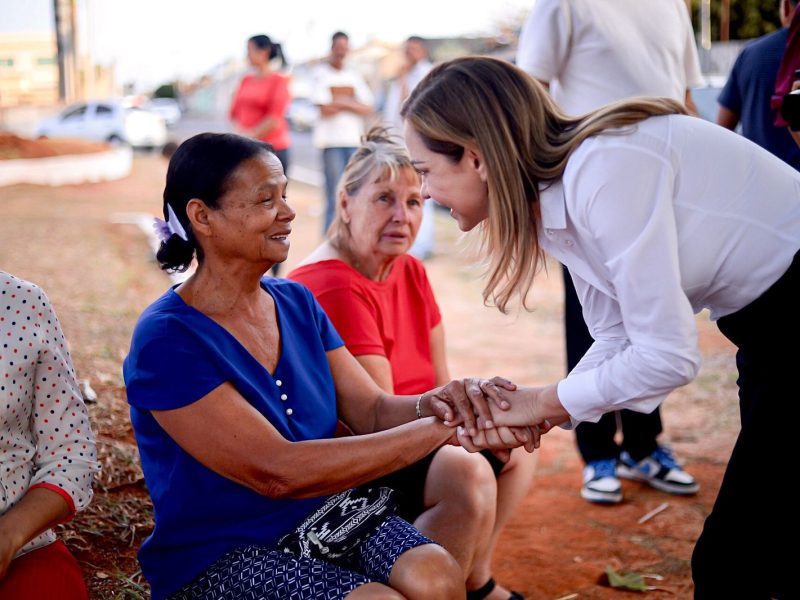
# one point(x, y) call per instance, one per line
point(593, 52)
point(655, 224)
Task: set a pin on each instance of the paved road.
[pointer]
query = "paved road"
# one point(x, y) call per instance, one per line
point(305, 160)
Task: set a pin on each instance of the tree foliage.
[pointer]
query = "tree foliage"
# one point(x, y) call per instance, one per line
point(748, 18)
point(167, 90)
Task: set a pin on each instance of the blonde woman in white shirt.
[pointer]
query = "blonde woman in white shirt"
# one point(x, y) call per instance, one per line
point(47, 450)
point(589, 54)
point(657, 215)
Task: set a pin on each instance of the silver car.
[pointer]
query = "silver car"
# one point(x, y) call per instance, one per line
point(111, 121)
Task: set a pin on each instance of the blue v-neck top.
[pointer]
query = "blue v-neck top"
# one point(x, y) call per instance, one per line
point(177, 356)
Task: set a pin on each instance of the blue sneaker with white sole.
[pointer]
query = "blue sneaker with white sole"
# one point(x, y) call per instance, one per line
point(600, 482)
point(660, 470)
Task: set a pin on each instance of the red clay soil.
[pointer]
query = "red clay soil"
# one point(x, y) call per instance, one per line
point(555, 546)
point(13, 147)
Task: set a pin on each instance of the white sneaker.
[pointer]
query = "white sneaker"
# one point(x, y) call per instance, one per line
point(600, 482)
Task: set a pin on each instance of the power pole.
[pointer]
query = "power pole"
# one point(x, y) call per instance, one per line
point(725, 21)
point(705, 24)
point(64, 16)
point(61, 50)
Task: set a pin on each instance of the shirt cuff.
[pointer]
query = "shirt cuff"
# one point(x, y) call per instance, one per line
point(67, 498)
point(576, 393)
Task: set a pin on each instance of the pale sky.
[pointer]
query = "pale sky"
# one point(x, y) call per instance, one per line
point(153, 41)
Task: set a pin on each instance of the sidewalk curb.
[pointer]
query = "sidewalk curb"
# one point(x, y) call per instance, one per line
point(67, 169)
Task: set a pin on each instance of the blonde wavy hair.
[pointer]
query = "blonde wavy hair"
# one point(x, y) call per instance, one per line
point(525, 141)
point(381, 156)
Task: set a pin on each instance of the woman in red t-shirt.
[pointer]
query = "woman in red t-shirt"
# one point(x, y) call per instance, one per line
point(259, 106)
point(381, 303)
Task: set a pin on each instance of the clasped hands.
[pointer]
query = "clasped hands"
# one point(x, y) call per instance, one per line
point(489, 414)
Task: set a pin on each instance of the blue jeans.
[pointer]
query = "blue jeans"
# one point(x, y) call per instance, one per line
point(334, 161)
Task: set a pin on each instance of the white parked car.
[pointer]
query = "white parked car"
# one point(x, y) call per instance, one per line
point(168, 108)
point(107, 121)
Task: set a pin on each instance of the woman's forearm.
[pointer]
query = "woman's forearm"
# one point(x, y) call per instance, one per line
point(264, 127)
point(318, 467)
point(393, 411)
point(39, 510)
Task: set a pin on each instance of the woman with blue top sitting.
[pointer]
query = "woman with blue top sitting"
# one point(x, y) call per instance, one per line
point(236, 382)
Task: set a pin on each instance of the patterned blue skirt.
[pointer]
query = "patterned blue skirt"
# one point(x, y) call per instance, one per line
point(265, 573)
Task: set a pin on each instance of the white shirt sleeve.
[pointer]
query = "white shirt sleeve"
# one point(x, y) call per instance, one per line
point(65, 447)
point(545, 40)
point(646, 338)
point(694, 76)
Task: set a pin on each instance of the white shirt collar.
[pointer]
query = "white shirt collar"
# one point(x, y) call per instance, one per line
point(552, 205)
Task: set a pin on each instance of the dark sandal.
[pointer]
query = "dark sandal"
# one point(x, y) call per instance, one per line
point(487, 588)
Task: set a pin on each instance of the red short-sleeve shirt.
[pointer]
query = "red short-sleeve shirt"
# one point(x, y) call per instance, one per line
point(261, 97)
point(391, 318)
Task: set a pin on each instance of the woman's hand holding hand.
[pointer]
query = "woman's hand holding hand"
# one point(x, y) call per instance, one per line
point(466, 401)
point(531, 406)
point(499, 440)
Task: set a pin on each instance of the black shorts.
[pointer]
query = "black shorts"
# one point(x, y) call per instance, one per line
point(409, 483)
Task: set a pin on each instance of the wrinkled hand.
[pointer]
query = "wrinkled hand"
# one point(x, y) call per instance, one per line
point(466, 401)
point(500, 440)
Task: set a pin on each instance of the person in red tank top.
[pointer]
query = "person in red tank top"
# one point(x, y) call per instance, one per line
point(382, 304)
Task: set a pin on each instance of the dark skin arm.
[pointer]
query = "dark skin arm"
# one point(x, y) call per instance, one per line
point(226, 434)
point(727, 118)
point(39, 510)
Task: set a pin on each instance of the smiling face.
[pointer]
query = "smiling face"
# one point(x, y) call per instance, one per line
point(254, 220)
point(383, 216)
point(458, 185)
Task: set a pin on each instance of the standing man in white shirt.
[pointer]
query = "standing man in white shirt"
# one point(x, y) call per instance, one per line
point(417, 64)
point(591, 53)
point(344, 100)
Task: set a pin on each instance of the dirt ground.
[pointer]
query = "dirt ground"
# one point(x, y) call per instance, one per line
point(100, 274)
point(13, 147)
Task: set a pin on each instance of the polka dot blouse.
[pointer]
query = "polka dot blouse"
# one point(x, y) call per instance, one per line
point(45, 438)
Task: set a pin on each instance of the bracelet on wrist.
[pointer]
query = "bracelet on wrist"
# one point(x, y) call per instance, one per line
point(419, 406)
